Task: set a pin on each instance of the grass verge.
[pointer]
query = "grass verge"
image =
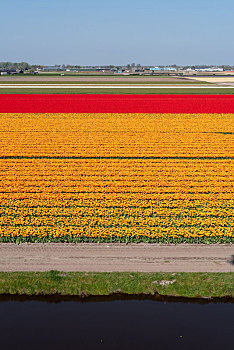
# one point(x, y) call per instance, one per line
point(157, 91)
point(192, 285)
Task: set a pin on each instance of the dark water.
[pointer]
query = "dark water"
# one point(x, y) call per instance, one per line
point(115, 324)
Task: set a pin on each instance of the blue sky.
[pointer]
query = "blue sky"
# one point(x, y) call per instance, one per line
point(90, 32)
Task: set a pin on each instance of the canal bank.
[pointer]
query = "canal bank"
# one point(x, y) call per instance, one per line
point(87, 284)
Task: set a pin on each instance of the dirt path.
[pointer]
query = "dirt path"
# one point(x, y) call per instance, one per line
point(117, 257)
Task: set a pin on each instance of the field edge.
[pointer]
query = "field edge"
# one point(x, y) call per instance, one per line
point(126, 240)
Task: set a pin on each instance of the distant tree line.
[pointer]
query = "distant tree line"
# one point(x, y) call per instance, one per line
point(15, 65)
point(24, 66)
point(19, 66)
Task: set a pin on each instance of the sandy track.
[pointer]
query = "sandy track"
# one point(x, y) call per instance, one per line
point(214, 80)
point(117, 257)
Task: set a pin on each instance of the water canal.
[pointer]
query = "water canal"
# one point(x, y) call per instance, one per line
point(108, 323)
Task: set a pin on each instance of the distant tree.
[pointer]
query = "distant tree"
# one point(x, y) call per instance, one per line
point(226, 67)
point(14, 65)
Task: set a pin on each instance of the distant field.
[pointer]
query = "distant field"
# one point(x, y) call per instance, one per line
point(67, 74)
point(203, 91)
point(168, 82)
point(92, 78)
point(97, 75)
